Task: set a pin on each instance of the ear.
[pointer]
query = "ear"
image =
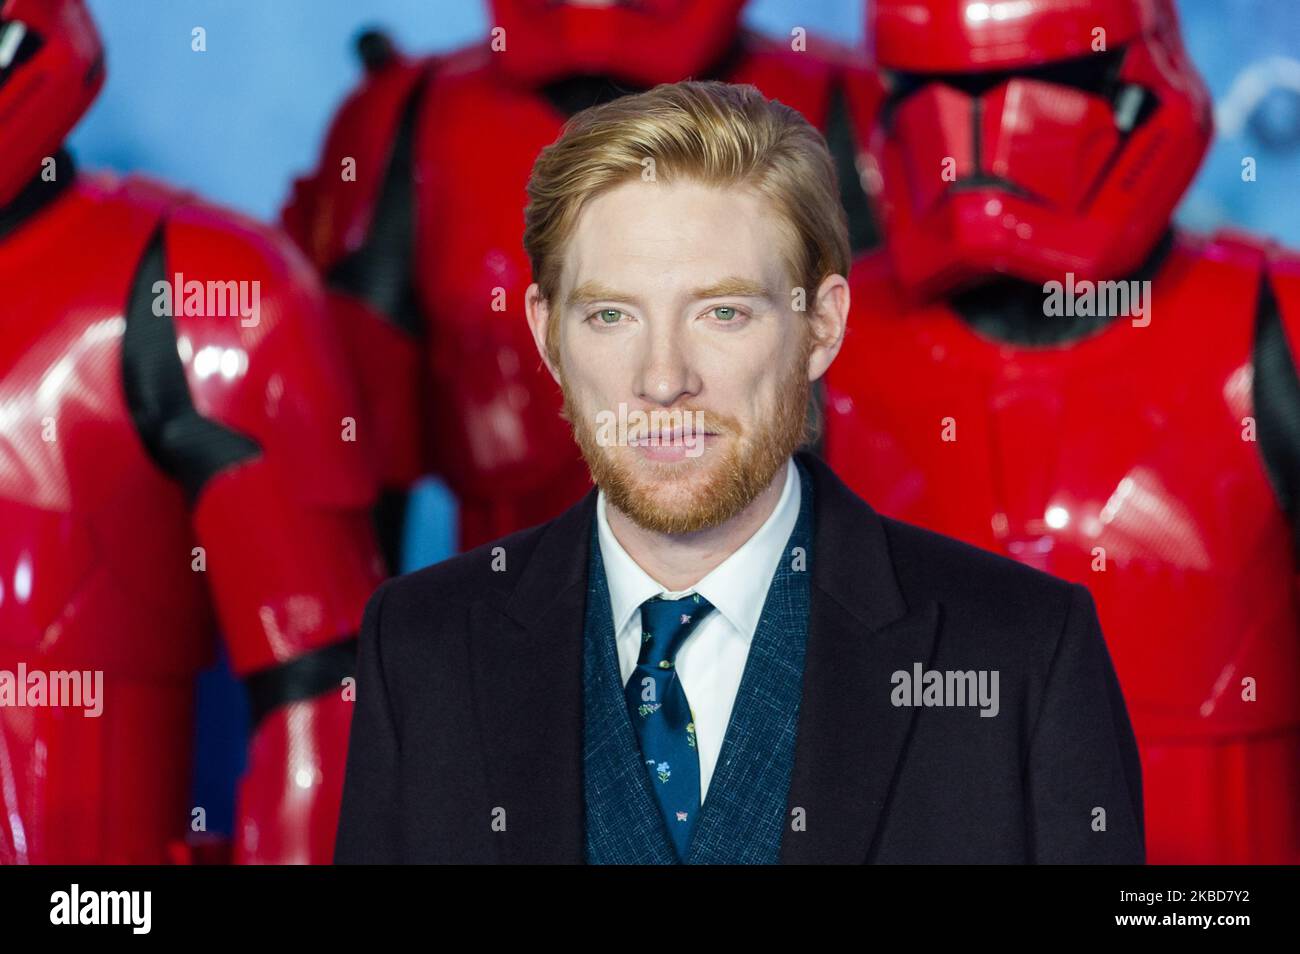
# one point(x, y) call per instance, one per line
point(538, 310)
point(830, 315)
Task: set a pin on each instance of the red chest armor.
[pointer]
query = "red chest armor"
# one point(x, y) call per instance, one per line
point(93, 551)
point(176, 459)
point(128, 529)
point(1124, 461)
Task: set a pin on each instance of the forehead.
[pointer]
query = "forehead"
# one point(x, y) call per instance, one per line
point(642, 235)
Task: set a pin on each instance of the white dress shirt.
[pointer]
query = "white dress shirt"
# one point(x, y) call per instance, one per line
point(712, 660)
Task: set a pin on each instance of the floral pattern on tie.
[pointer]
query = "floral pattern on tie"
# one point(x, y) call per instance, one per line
point(665, 728)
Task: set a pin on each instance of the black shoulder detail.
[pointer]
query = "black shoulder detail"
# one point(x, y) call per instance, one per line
point(186, 445)
point(379, 272)
point(844, 142)
point(1276, 394)
point(309, 675)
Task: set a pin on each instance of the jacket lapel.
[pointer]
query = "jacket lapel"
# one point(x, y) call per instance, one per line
point(741, 821)
point(851, 739)
point(527, 668)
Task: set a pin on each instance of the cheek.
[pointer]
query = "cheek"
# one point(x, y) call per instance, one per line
point(596, 371)
point(750, 393)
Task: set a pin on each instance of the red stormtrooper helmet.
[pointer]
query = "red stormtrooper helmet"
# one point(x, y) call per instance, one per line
point(645, 42)
point(51, 69)
point(1030, 138)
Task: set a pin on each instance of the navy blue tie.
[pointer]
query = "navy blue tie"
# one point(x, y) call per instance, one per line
point(661, 714)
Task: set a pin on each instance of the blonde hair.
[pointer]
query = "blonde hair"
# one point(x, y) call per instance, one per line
point(714, 133)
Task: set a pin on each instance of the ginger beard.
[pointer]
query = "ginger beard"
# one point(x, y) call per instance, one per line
point(706, 491)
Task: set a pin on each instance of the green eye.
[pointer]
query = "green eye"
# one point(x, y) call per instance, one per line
point(608, 316)
point(724, 313)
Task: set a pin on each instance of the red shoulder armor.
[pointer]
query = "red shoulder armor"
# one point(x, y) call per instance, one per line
point(1284, 277)
point(259, 354)
point(1279, 294)
point(290, 554)
point(330, 210)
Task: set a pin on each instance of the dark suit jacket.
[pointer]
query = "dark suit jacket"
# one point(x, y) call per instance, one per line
point(469, 706)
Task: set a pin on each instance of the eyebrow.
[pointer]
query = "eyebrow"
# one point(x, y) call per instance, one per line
point(591, 291)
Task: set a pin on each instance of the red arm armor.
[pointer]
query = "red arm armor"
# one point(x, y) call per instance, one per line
point(364, 175)
point(281, 497)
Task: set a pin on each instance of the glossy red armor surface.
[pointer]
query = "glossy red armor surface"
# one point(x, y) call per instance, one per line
point(490, 408)
point(1030, 137)
point(965, 35)
point(1123, 461)
point(98, 543)
point(675, 39)
point(51, 69)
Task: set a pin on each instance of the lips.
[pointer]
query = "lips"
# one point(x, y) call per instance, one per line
point(675, 436)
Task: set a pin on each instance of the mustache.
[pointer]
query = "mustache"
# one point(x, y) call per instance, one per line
point(660, 425)
point(706, 425)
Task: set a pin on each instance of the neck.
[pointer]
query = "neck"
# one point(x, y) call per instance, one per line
point(1010, 310)
point(36, 194)
point(569, 94)
point(680, 560)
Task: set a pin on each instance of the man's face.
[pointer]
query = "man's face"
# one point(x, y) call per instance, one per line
point(677, 297)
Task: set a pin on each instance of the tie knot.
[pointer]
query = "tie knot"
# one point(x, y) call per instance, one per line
point(665, 624)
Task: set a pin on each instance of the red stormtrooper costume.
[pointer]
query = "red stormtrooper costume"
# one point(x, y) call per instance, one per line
point(1152, 454)
point(415, 217)
point(160, 476)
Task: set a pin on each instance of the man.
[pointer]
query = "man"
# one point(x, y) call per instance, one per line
point(722, 654)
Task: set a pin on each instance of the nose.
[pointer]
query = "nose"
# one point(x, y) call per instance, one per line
point(665, 373)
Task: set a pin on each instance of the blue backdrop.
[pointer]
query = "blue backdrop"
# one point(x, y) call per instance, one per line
point(239, 121)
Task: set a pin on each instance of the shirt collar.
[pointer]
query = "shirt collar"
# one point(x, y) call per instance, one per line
point(737, 586)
